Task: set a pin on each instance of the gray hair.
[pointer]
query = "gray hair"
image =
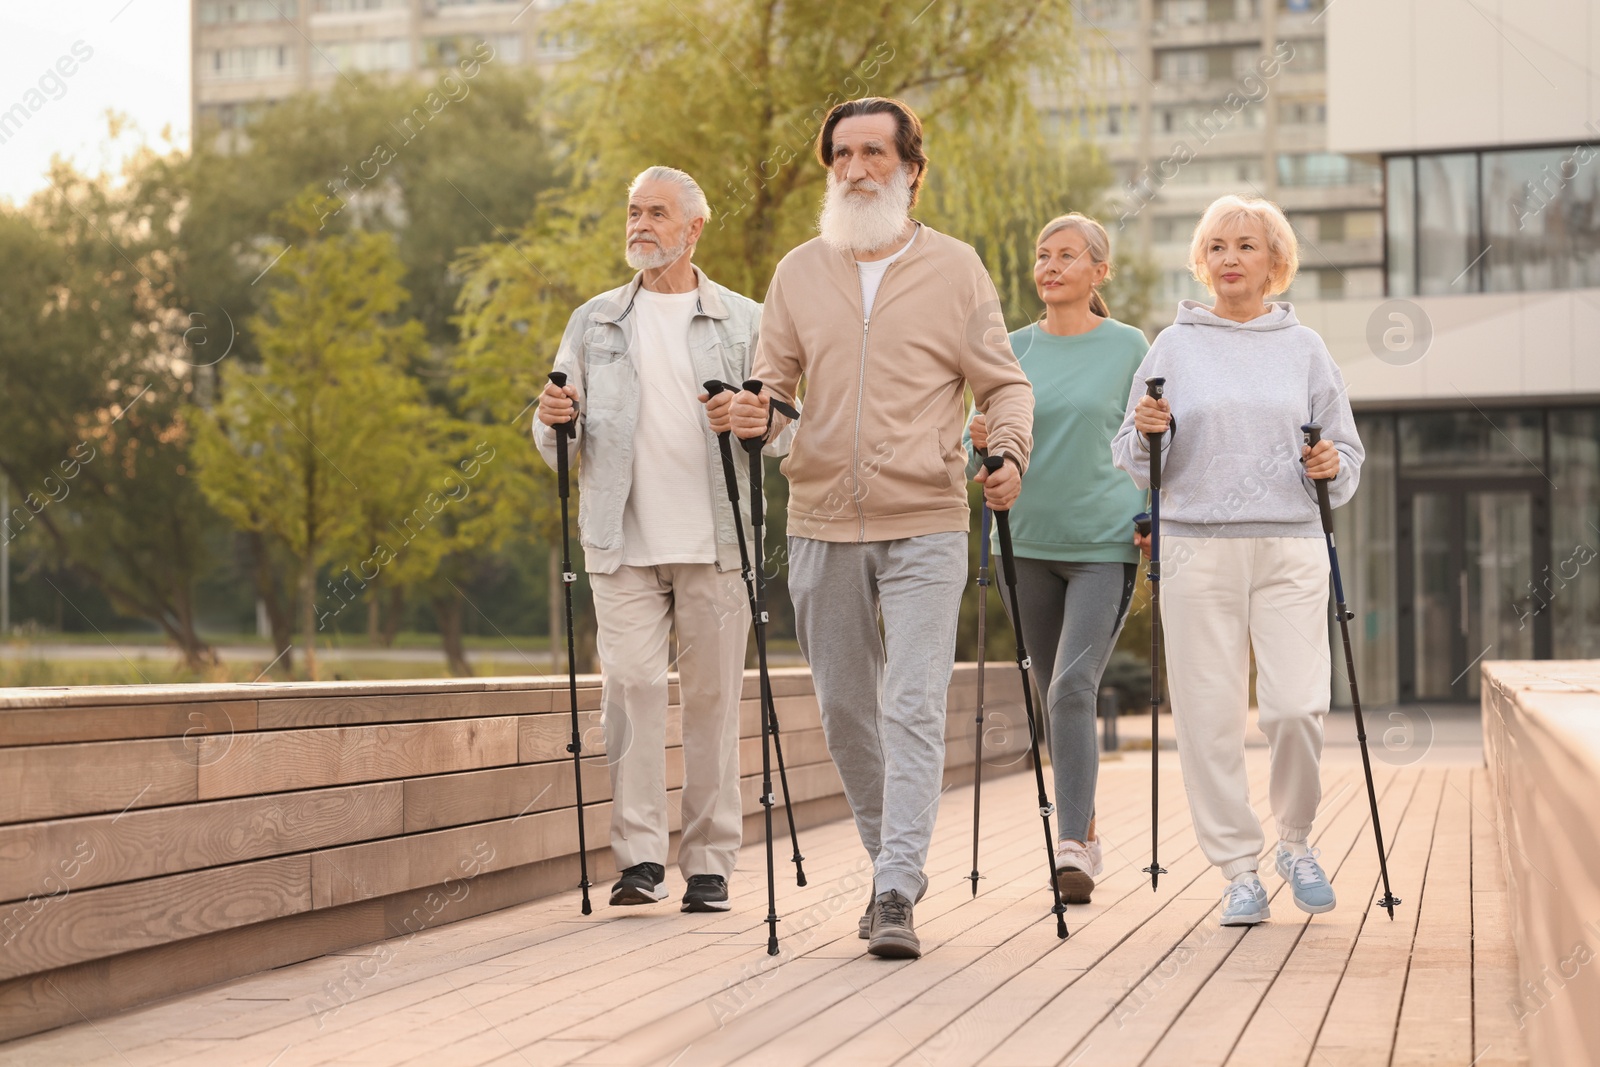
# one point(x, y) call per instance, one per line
point(1096, 242)
point(690, 195)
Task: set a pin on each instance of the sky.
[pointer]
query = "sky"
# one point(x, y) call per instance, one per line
point(138, 65)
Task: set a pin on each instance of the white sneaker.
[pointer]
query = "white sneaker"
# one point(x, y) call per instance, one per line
point(1077, 866)
point(1244, 904)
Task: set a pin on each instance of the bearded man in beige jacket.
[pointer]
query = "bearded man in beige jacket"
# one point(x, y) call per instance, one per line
point(889, 322)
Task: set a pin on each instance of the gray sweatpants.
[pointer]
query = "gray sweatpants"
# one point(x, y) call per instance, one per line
point(1071, 615)
point(883, 697)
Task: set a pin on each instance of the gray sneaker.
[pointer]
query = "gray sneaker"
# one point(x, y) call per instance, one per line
point(864, 927)
point(893, 935)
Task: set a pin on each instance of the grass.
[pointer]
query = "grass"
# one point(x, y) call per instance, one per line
point(146, 660)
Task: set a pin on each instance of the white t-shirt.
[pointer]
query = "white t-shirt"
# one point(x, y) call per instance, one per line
point(872, 273)
point(668, 517)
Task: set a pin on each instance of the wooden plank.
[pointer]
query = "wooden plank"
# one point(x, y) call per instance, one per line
point(1205, 1031)
point(123, 918)
point(50, 781)
point(1360, 1024)
point(355, 710)
point(341, 755)
point(1295, 1000)
point(378, 868)
point(1436, 1015)
point(1499, 1006)
point(113, 722)
point(103, 849)
point(439, 801)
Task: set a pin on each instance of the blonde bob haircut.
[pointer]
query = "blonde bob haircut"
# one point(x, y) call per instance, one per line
point(1228, 212)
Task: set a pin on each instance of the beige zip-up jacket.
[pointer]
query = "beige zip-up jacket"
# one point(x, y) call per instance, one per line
point(877, 455)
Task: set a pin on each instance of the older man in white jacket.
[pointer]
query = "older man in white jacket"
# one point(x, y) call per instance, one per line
point(658, 535)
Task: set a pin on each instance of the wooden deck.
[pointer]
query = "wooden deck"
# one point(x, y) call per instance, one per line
point(1146, 978)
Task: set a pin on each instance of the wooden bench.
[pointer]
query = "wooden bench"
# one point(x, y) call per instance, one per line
point(1541, 732)
point(156, 839)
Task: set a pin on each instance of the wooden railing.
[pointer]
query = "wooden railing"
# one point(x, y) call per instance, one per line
point(155, 839)
point(1541, 736)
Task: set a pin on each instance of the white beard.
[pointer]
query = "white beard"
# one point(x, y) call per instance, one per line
point(865, 222)
point(652, 257)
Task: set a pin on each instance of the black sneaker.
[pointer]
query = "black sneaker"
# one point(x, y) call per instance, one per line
point(706, 892)
point(893, 936)
point(643, 883)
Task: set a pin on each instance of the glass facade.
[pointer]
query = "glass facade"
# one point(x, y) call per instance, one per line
point(1475, 535)
point(1496, 221)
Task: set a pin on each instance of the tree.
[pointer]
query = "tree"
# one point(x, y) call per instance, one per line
point(305, 447)
point(94, 393)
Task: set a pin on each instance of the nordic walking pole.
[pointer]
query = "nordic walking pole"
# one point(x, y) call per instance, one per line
point(1154, 387)
point(758, 610)
point(977, 741)
point(568, 576)
point(725, 443)
point(1313, 434)
point(1009, 566)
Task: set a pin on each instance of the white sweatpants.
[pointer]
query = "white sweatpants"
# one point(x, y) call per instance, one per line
point(1221, 597)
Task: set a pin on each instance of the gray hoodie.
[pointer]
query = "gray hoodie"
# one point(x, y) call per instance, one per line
point(1239, 392)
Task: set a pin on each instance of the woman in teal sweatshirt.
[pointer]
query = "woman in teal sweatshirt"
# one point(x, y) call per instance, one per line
point(1072, 527)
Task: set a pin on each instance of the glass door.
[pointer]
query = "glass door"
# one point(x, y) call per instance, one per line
point(1469, 592)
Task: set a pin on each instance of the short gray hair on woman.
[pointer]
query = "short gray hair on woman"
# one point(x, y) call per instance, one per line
point(690, 195)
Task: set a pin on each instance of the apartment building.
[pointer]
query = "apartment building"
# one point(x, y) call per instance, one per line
point(1191, 99)
point(1475, 376)
point(249, 54)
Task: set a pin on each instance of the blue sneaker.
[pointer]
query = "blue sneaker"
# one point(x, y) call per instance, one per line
point(1312, 893)
point(1244, 904)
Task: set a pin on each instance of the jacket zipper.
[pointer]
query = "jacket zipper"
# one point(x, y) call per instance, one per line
point(861, 388)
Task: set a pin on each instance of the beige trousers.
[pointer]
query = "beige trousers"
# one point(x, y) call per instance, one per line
point(636, 607)
point(1221, 598)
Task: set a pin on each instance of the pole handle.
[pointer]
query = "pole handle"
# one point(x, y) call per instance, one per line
point(1003, 522)
point(1312, 433)
point(558, 378)
point(713, 387)
point(563, 431)
point(1155, 388)
point(753, 445)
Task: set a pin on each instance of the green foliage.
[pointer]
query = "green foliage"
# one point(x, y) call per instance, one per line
point(328, 438)
point(95, 396)
point(358, 409)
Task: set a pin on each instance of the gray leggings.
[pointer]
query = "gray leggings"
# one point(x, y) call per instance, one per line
point(1071, 615)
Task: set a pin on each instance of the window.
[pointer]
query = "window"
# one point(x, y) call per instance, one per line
point(1400, 225)
point(213, 12)
point(1325, 168)
point(1518, 221)
point(1541, 211)
point(347, 7)
point(391, 53)
point(1184, 66)
point(448, 51)
point(1308, 112)
point(1447, 224)
point(259, 61)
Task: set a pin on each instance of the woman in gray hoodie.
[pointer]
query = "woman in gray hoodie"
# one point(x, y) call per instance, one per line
point(1244, 566)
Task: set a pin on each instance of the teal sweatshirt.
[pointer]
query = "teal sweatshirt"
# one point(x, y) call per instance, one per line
point(1075, 506)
